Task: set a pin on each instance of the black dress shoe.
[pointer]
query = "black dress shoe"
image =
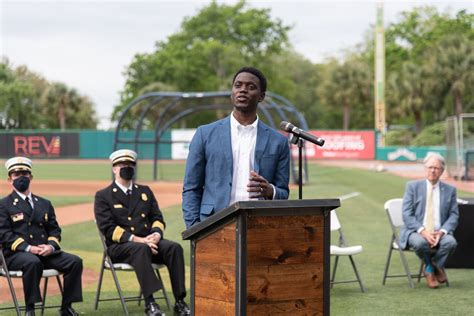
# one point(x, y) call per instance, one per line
point(30, 313)
point(181, 308)
point(153, 309)
point(68, 311)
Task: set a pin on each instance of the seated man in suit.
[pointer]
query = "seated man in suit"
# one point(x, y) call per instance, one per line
point(132, 223)
point(430, 213)
point(30, 236)
point(237, 158)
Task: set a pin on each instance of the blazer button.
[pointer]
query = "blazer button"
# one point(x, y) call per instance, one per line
point(41, 224)
point(143, 215)
point(31, 236)
point(42, 236)
point(29, 223)
point(146, 226)
point(129, 218)
point(132, 229)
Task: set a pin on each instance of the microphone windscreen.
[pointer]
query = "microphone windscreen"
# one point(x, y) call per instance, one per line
point(286, 126)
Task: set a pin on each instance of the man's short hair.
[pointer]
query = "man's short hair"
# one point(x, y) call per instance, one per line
point(437, 156)
point(257, 73)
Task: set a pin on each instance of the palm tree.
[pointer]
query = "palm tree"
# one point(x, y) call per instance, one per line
point(451, 62)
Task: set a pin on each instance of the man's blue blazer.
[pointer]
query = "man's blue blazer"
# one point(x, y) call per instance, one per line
point(413, 208)
point(209, 167)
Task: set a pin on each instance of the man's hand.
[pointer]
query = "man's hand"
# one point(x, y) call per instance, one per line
point(437, 235)
point(154, 238)
point(35, 250)
point(259, 187)
point(429, 237)
point(147, 240)
point(46, 250)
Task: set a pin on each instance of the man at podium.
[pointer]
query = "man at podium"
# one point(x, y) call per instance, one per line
point(237, 158)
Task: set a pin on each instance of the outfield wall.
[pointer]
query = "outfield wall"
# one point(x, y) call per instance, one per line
point(92, 144)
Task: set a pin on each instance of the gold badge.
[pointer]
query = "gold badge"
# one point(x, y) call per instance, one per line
point(118, 205)
point(17, 217)
point(144, 197)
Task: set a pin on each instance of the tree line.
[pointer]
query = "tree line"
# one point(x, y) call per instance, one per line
point(429, 67)
point(29, 101)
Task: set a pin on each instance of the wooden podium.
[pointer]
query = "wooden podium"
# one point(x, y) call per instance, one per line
point(262, 258)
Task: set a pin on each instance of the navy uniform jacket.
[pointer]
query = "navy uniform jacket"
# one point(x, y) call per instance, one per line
point(20, 226)
point(119, 216)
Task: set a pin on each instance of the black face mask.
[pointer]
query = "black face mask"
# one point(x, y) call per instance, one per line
point(21, 183)
point(127, 173)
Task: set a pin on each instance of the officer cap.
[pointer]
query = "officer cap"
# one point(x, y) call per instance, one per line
point(16, 164)
point(123, 155)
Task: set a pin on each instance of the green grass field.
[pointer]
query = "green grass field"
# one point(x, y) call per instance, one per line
point(363, 220)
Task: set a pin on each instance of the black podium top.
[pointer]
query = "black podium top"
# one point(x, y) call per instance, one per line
point(268, 207)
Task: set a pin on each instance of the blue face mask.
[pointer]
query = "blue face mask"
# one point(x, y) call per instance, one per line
point(21, 183)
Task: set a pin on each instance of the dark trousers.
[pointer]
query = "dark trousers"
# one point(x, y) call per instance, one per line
point(32, 267)
point(140, 257)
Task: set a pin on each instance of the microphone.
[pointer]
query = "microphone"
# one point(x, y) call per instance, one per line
point(290, 128)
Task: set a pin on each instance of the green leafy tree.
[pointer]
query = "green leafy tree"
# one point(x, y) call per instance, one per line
point(451, 62)
point(349, 87)
point(207, 50)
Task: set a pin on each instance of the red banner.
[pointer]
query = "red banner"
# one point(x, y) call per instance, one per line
point(341, 145)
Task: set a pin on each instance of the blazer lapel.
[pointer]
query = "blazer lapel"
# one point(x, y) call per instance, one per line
point(263, 136)
point(118, 195)
point(226, 142)
point(21, 205)
point(442, 199)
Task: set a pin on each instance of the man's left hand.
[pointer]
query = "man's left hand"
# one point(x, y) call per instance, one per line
point(46, 250)
point(154, 238)
point(437, 235)
point(259, 187)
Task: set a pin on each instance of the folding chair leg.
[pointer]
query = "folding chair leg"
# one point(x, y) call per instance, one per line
point(119, 290)
point(12, 291)
point(407, 269)
point(336, 260)
point(387, 265)
point(163, 289)
point(45, 291)
point(420, 272)
point(357, 274)
point(99, 285)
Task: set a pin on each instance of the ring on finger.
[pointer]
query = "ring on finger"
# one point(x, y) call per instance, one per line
point(261, 189)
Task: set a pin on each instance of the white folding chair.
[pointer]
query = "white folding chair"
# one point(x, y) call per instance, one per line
point(12, 274)
point(393, 208)
point(114, 268)
point(341, 249)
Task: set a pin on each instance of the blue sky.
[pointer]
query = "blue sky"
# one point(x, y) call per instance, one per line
point(88, 44)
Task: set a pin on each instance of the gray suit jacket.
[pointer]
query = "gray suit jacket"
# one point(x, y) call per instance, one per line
point(208, 177)
point(413, 208)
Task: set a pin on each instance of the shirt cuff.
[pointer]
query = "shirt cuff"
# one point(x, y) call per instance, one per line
point(131, 237)
point(420, 229)
point(274, 191)
point(52, 247)
point(444, 231)
point(28, 248)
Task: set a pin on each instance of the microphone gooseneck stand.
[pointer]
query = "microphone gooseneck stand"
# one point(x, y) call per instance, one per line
point(300, 142)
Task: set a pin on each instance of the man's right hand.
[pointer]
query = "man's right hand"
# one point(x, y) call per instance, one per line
point(35, 250)
point(146, 240)
point(430, 238)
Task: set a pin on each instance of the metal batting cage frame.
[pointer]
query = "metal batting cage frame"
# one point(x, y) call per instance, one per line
point(160, 111)
point(460, 146)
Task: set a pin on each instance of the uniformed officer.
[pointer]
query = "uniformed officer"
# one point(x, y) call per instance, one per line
point(30, 236)
point(132, 223)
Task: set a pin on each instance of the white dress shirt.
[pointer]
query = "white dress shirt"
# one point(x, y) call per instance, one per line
point(436, 205)
point(243, 139)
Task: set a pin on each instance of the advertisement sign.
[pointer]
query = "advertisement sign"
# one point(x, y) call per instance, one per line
point(341, 145)
point(181, 139)
point(40, 145)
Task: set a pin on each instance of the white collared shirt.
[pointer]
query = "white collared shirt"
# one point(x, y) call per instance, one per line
point(436, 204)
point(123, 188)
point(23, 196)
point(243, 139)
